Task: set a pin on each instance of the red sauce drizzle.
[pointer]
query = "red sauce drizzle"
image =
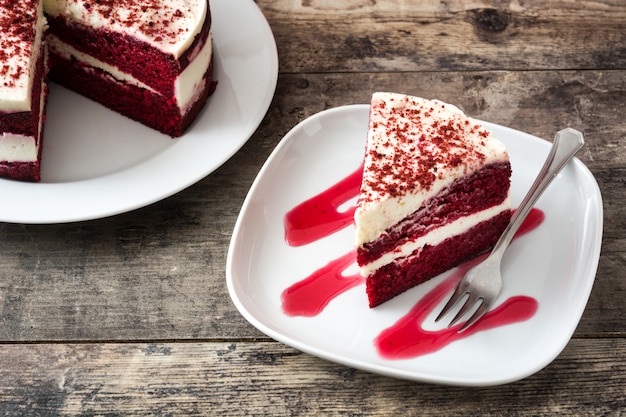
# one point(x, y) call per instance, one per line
point(318, 216)
point(407, 338)
point(309, 296)
point(532, 221)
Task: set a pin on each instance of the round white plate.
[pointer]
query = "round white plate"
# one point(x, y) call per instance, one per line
point(97, 163)
point(554, 264)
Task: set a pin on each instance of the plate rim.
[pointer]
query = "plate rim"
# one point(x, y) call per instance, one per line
point(592, 262)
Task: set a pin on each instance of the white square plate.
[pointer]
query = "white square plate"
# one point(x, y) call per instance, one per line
point(555, 264)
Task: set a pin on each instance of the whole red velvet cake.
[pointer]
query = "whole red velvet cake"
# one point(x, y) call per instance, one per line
point(435, 192)
point(150, 60)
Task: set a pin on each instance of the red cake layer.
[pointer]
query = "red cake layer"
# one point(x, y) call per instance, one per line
point(395, 278)
point(27, 124)
point(464, 197)
point(156, 69)
point(22, 171)
point(154, 110)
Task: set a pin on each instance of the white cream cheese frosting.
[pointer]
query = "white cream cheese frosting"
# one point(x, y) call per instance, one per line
point(435, 237)
point(415, 148)
point(169, 25)
point(18, 148)
point(20, 53)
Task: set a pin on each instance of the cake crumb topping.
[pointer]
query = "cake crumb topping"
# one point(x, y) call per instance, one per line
point(416, 142)
point(17, 34)
point(169, 25)
point(155, 18)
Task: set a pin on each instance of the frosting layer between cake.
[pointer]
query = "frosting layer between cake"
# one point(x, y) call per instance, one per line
point(437, 236)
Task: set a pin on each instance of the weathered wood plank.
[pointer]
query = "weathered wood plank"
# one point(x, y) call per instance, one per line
point(397, 35)
point(539, 103)
point(158, 273)
point(233, 379)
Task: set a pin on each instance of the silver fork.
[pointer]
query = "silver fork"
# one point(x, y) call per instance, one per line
point(483, 282)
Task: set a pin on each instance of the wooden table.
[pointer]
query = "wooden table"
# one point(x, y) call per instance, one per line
point(131, 315)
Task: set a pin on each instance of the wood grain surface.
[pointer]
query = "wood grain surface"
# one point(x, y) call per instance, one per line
point(130, 315)
point(267, 378)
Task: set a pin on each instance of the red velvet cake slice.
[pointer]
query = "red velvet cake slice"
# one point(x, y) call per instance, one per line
point(150, 60)
point(22, 88)
point(435, 192)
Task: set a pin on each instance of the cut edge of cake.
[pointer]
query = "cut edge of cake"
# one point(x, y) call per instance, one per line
point(23, 89)
point(152, 62)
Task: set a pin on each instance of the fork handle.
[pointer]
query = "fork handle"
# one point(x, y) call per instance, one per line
point(566, 143)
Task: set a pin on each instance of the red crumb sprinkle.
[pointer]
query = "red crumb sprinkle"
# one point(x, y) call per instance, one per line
point(162, 23)
point(18, 19)
point(415, 149)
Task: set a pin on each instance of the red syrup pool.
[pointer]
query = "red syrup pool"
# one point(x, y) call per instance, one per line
point(319, 217)
point(309, 296)
point(408, 339)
